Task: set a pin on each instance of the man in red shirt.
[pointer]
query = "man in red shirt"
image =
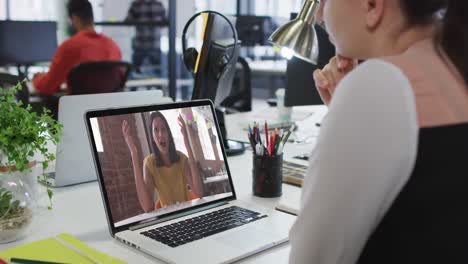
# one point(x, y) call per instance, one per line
point(85, 46)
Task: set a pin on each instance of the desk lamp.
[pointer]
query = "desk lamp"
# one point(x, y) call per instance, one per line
point(298, 37)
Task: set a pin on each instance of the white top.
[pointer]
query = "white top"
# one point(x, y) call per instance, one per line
point(364, 156)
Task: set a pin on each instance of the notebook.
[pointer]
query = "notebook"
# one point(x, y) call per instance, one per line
point(290, 203)
point(52, 250)
point(293, 173)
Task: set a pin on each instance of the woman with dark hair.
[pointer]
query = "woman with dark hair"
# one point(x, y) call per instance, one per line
point(166, 172)
point(388, 177)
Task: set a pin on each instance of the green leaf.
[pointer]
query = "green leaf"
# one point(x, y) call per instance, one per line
point(22, 134)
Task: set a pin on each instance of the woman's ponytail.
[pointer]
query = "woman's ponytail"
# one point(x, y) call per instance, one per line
point(454, 35)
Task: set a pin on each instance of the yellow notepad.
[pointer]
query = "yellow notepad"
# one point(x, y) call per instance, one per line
point(52, 250)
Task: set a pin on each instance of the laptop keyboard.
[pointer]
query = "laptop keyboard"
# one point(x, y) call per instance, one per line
point(196, 228)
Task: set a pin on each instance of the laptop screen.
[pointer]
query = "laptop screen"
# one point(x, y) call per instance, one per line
point(158, 160)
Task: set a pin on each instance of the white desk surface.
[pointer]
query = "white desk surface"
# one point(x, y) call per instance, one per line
point(156, 82)
point(79, 211)
point(305, 116)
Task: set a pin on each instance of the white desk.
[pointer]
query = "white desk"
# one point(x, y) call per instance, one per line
point(156, 82)
point(305, 116)
point(79, 210)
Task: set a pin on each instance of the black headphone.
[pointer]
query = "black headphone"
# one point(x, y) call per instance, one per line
point(190, 55)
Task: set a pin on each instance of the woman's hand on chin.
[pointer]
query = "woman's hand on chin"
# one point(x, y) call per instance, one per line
point(328, 78)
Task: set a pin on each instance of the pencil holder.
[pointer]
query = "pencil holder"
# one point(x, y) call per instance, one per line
point(267, 176)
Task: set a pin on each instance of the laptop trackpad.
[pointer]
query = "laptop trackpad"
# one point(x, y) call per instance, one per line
point(249, 238)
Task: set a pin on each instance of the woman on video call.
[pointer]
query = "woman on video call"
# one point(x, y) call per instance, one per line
point(168, 172)
point(388, 177)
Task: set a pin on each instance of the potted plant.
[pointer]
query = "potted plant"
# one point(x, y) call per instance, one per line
point(23, 134)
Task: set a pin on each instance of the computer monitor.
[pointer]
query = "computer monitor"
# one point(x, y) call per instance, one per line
point(27, 42)
point(254, 30)
point(218, 42)
point(300, 85)
point(209, 84)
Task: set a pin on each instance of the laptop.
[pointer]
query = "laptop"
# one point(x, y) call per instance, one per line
point(74, 162)
point(211, 227)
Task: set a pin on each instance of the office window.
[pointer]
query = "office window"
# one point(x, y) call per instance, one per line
point(226, 7)
point(2, 9)
point(276, 8)
point(33, 10)
point(41, 9)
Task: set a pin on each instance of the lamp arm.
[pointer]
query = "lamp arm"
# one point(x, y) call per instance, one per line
point(309, 11)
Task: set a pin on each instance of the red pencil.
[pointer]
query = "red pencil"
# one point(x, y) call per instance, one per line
point(272, 139)
point(266, 134)
point(273, 142)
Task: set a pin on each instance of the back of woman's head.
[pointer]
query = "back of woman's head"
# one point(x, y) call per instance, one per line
point(453, 35)
point(173, 157)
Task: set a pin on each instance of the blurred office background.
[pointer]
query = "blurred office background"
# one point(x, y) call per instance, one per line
point(267, 67)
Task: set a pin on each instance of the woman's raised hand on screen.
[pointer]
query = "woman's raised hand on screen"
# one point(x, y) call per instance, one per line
point(128, 137)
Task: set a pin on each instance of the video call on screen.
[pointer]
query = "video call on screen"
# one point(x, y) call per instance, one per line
point(158, 162)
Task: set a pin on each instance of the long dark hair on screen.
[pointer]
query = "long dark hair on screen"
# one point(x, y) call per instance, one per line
point(173, 157)
point(452, 37)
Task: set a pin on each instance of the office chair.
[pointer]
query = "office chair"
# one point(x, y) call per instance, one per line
point(99, 77)
point(9, 80)
point(240, 99)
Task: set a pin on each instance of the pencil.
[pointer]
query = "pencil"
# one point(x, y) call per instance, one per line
point(266, 133)
point(273, 142)
point(32, 261)
point(278, 142)
point(252, 143)
point(289, 133)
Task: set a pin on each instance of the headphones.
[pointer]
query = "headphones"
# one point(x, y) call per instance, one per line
point(190, 55)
